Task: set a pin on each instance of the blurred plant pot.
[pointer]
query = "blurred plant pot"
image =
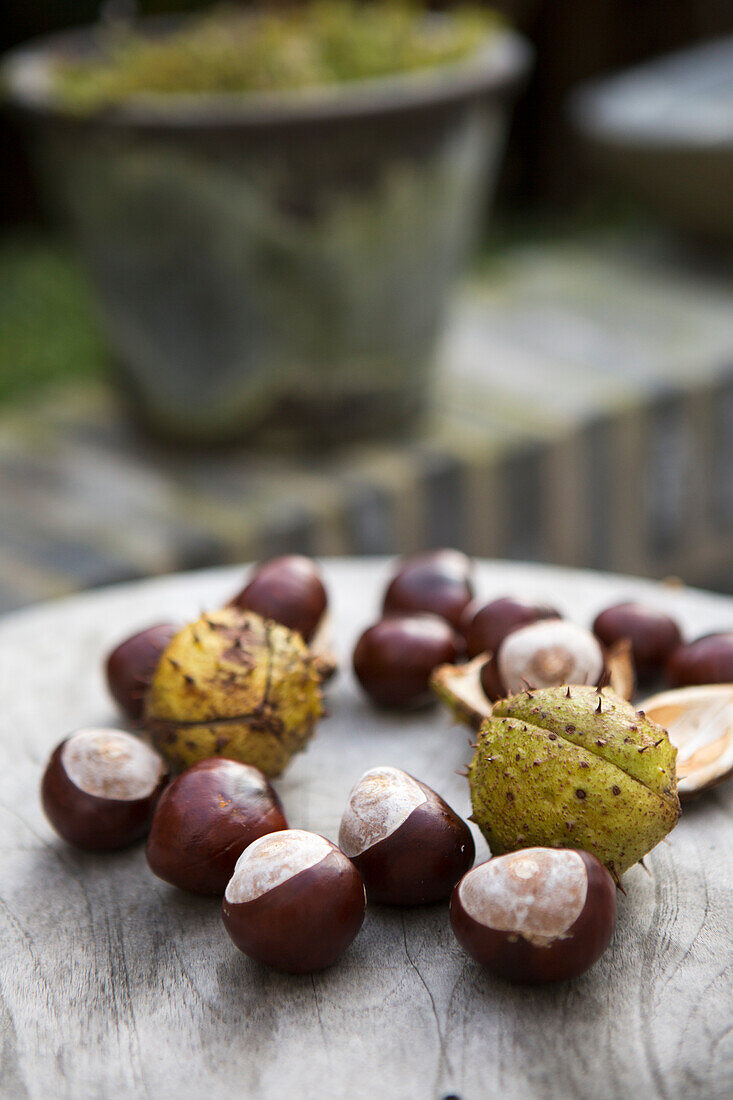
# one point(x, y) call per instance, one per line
point(665, 130)
point(280, 263)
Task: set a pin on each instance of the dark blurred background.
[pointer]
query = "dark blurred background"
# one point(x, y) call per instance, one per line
point(574, 40)
point(583, 412)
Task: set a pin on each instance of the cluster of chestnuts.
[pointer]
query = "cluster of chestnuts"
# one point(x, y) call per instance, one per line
point(430, 617)
point(294, 900)
point(291, 898)
point(228, 699)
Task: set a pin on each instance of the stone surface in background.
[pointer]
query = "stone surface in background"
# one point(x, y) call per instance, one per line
point(583, 415)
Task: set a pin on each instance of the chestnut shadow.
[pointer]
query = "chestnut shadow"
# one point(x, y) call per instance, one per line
point(717, 799)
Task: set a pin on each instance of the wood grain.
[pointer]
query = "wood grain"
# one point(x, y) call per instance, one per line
point(114, 985)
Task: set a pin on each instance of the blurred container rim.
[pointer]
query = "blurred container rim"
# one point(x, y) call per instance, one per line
point(495, 68)
point(669, 103)
point(322, 199)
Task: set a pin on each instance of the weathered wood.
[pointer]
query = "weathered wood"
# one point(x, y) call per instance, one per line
point(114, 985)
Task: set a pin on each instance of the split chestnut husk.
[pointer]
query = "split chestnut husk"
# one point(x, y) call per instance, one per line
point(234, 684)
point(699, 721)
point(570, 767)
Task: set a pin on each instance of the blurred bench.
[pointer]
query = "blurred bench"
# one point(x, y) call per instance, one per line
point(583, 415)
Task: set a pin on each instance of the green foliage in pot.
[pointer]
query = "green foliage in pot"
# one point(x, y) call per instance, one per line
point(231, 51)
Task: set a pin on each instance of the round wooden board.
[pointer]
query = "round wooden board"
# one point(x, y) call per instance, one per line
point(115, 985)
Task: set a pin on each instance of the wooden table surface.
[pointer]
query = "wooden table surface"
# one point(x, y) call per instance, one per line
point(114, 985)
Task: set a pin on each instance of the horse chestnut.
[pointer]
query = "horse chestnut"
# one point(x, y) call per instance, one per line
point(543, 654)
point(289, 590)
point(205, 819)
point(409, 845)
point(294, 902)
point(708, 660)
point(100, 788)
point(131, 665)
point(536, 915)
point(438, 581)
point(394, 658)
point(653, 635)
point(485, 626)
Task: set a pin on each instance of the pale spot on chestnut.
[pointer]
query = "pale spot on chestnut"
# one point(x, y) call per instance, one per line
point(549, 653)
point(111, 764)
point(537, 893)
point(100, 788)
point(537, 914)
point(378, 804)
point(406, 841)
point(272, 860)
point(295, 902)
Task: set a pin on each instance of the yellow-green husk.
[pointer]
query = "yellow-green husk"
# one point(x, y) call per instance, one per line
point(574, 768)
point(236, 685)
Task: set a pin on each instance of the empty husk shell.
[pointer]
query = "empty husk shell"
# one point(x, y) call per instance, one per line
point(699, 721)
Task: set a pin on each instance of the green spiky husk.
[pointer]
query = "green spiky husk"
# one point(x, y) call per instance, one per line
point(585, 771)
point(234, 684)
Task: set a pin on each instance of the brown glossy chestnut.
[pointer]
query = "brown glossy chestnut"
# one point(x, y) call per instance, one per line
point(485, 626)
point(131, 664)
point(288, 589)
point(100, 788)
point(544, 654)
point(491, 681)
point(653, 635)
point(536, 915)
point(707, 660)
point(205, 819)
point(437, 581)
point(294, 902)
point(394, 658)
point(409, 845)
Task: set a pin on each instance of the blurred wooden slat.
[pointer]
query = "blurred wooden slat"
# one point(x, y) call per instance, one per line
point(582, 414)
